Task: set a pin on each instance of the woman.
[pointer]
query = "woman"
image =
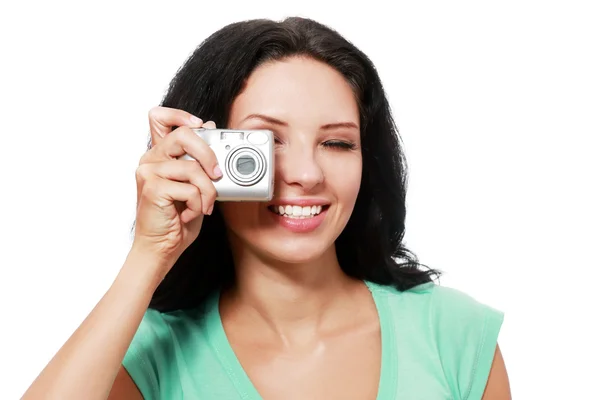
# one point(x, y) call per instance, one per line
point(262, 303)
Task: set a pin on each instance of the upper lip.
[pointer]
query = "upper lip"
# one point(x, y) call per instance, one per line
point(299, 201)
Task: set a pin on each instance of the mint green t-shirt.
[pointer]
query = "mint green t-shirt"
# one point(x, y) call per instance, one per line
point(437, 343)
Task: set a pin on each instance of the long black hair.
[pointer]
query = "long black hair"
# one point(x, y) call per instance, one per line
point(371, 245)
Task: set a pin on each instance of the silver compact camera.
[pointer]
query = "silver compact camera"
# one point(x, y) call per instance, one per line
point(246, 160)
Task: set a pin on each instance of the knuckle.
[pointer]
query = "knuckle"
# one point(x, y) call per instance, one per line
point(144, 158)
point(154, 111)
point(149, 189)
point(180, 134)
point(194, 192)
point(211, 192)
point(197, 191)
point(143, 172)
point(209, 195)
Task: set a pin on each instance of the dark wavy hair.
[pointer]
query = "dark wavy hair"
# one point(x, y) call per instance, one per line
point(370, 247)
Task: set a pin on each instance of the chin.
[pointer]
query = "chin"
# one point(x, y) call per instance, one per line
point(294, 250)
point(276, 247)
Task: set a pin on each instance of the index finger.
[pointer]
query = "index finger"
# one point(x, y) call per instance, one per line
point(185, 144)
point(162, 120)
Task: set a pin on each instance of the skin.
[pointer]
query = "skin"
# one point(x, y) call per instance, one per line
point(305, 324)
point(297, 310)
point(498, 385)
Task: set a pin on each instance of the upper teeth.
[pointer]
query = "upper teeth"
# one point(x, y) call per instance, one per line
point(297, 211)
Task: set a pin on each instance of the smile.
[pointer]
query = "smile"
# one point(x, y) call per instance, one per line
point(299, 212)
point(302, 217)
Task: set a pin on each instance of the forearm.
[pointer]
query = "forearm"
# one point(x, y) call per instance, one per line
point(87, 364)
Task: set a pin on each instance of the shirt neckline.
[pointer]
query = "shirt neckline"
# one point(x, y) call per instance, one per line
point(244, 386)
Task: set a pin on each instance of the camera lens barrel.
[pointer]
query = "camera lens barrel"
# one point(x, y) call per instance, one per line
point(245, 165)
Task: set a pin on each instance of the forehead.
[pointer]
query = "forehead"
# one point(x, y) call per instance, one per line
point(297, 89)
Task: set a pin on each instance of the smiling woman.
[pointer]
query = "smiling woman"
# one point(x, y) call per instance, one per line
point(311, 295)
point(313, 112)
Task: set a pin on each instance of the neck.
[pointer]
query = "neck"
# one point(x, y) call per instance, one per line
point(292, 301)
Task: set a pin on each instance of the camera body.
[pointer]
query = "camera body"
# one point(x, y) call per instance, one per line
point(247, 161)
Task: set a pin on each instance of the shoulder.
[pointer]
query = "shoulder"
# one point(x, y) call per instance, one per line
point(442, 305)
point(153, 355)
point(462, 331)
point(466, 333)
point(454, 308)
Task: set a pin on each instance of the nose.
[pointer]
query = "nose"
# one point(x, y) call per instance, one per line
point(299, 166)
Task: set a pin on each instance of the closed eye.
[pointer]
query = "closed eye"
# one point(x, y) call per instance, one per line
point(340, 145)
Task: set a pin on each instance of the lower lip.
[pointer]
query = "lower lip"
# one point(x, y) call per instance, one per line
point(300, 225)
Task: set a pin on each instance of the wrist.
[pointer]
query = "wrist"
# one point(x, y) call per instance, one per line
point(143, 270)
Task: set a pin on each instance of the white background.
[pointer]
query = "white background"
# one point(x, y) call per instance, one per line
point(498, 104)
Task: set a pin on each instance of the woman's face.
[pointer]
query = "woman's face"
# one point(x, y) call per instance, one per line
point(314, 115)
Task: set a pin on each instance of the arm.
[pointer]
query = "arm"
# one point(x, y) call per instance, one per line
point(124, 388)
point(498, 387)
point(88, 363)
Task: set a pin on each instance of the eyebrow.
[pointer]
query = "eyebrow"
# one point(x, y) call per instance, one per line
point(279, 122)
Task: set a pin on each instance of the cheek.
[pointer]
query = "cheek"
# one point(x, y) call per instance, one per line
point(344, 177)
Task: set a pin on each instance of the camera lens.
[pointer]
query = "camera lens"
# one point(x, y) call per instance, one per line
point(246, 165)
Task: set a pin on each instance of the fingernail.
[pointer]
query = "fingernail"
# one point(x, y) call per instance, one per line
point(218, 172)
point(195, 120)
point(210, 210)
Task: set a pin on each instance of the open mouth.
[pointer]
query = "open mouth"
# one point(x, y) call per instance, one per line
point(298, 212)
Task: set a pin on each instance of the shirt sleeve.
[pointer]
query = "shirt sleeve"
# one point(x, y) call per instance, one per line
point(466, 334)
point(147, 353)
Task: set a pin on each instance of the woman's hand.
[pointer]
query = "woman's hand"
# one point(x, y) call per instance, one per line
point(173, 195)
